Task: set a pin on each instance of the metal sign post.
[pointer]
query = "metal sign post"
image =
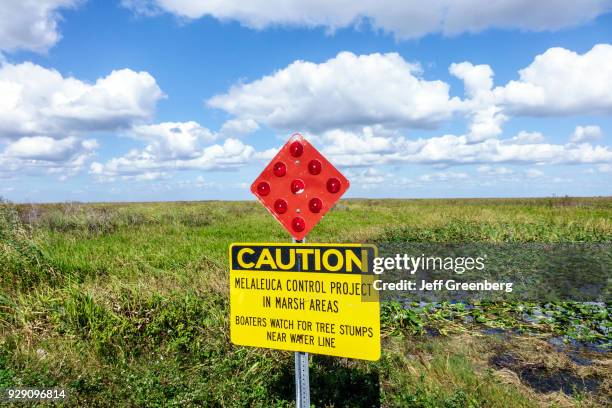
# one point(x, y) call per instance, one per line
point(302, 375)
point(302, 380)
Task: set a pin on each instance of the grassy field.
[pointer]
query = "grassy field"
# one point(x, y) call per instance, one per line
point(127, 305)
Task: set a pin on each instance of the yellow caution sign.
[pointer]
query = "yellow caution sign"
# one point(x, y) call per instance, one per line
point(315, 298)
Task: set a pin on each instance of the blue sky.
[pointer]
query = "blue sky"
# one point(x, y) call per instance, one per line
point(184, 100)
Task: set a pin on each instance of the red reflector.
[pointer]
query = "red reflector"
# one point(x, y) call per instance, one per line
point(298, 224)
point(296, 149)
point(280, 206)
point(263, 188)
point(315, 205)
point(314, 167)
point(333, 185)
point(297, 186)
point(280, 169)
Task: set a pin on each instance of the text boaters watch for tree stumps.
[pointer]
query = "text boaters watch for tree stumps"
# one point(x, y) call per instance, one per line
point(299, 186)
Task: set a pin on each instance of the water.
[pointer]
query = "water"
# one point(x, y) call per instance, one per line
point(545, 380)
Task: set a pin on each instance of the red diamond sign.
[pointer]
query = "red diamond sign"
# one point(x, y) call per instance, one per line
point(299, 186)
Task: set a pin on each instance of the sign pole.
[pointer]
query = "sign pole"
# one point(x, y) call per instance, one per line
point(302, 377)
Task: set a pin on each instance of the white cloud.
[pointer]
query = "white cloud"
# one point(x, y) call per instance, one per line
point(456, 150)
point(238, 127)
point(367, 178)
point(477, 79)
point(45, 117)
point(266, 155)
point(525, 137)
point(494, 171)
point(384, 91)
point(231, 154)
point(142, 7)
point(355, 107)
point(148, 176)
point(345, 91)
point(96, 168)
point(443, 176)
point(31, 24)
point(542, 15)
point(561, 180)
point(405, 19)
point(178, 140)
point(367, 146)
point(38, 155)
point(38, 101)
point(363, 147)
point(562, 82)
point(486, 117)
point(48, 149)
point(366, 141)
point(533, 173)
point(586, 134)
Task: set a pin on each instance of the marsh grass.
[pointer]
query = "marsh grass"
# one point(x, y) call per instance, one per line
point(22, 259)
point(128, 304)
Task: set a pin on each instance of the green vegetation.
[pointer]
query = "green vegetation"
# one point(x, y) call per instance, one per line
point(127, 304)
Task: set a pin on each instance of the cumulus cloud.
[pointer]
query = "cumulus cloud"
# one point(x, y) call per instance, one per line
point(494, 171)
point(367, 178)
point(38, 155)
point(363, 147)
point(458, 150)
point(175, 146)
point(38, 101)
point(31, 24)
point(177, 140)
point(443, 176)
point(148, 176)
point(524, 137)
point(45, 118)
point(48, 149)
point(348, 90)
point(366, 141)
point(477, 79)
point(238, 127)
point(586, 134)
point(486, 117)
point(231, 154)
point(562, 82)
point(405, 19)
point(351, 91)
point(356, 109)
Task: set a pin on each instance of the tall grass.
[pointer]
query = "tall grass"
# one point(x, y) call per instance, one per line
point(102, 219)
point(22, 261)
